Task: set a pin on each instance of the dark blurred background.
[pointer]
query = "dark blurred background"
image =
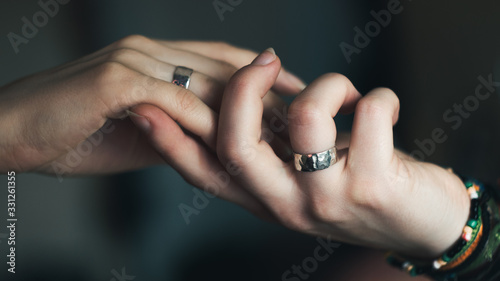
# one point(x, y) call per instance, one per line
point(430, 53)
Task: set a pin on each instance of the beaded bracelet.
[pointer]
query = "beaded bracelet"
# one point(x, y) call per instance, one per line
point(461, 250)
point(484, 262)
point(470, 234)
point(481, 262)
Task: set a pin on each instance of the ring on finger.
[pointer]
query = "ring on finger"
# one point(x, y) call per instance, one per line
point(182, 76)
point(315, 161)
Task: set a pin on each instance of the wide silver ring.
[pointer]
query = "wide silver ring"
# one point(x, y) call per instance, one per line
point(315, 161)
point(182, 76)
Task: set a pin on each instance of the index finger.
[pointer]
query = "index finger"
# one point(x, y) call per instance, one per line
point(287, 83)
point(242, 107)
point(239, 142)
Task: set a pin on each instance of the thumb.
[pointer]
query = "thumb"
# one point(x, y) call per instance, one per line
point(241, 109)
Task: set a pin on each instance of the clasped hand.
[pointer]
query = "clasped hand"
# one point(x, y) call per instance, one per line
point(374, 195)
point(231, 124)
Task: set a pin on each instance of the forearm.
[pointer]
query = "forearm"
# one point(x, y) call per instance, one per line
point(9, 133)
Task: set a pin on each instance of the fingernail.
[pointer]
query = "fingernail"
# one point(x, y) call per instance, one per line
point(140, 121)
point(295, 80)
point(265, 57)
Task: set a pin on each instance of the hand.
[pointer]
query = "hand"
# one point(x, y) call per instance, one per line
point(70, 119)
point(373, 196)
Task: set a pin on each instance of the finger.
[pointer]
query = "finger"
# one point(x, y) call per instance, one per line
point(119, 88)
point(206, 69)
point(206, 88)
point(372, 141)
point(312, 128)
point(281, 147)
point(287, 83)
point(242, 108)
point(275, 115)
point(219, 70)
point(191, 159)
point(239, 137)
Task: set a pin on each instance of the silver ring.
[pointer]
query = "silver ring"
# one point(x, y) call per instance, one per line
point(182, 76)
point(315, 161)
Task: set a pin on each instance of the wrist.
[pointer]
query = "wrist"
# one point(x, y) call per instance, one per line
point(444, 209)
point(469, 252)
point(451, 228)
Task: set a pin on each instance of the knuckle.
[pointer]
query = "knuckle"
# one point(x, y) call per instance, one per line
point(304, 113)
point(132, 40)
point(379, 102)
point(110, 74)
point(388, 94)
point(370, 107)
point(336, 79)
point(394, 98)
point(121, 54)
point(369, 196)
point(109, 79)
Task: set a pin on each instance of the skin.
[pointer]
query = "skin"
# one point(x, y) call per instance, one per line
point(374, 196)
point(47, 116)
point(227, 125)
